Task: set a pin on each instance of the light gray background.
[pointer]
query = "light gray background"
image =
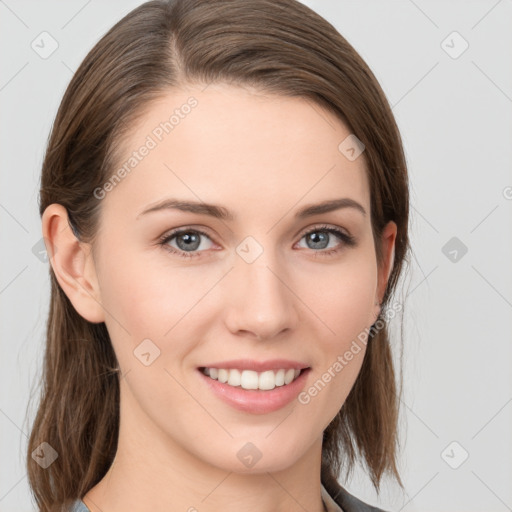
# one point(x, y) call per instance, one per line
point(454, 115)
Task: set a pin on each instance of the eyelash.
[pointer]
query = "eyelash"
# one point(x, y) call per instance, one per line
point(163, 241)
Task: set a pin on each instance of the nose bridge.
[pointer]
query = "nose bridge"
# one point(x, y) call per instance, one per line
point(261, 302)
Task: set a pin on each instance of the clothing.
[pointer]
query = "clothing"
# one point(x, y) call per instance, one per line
point(78, 506)
point(344, 499)
point(346, 502)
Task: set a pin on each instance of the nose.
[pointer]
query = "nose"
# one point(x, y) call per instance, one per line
point(261, 303)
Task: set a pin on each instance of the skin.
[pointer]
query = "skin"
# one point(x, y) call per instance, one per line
point(262, 157)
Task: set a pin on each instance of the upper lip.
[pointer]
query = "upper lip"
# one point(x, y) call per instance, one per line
point(258, 366)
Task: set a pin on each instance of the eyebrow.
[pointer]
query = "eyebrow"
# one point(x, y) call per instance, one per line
point(219, 212)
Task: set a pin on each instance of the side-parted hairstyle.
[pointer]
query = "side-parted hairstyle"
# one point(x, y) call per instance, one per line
point(278, 47)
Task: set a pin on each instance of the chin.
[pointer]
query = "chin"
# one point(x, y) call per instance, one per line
point(261, 455)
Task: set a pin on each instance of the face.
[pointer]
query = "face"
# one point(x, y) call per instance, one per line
point(260, 287)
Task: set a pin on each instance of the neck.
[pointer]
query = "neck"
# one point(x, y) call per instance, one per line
point(153, 472)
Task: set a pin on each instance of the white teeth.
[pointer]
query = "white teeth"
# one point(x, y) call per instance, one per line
point(249, 379)
point(223, 376)
point(267, 380)
point(234, 378)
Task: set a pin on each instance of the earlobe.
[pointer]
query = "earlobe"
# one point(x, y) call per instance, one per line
point(72, 264)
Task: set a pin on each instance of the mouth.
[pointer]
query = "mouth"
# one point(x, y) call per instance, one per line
point(251, 379)
point(255, 392)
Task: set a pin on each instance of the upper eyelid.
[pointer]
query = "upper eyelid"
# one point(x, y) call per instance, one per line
point(325, 227)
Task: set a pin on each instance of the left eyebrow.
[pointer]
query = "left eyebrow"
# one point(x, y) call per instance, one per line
point(329, 206)
point(223, 213)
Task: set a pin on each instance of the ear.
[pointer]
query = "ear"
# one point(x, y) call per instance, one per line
point(72, 263)
point(388, 258)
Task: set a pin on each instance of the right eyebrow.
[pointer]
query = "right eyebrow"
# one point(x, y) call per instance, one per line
point(201, 208)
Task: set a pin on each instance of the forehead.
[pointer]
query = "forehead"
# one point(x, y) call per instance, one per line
point(235, 146)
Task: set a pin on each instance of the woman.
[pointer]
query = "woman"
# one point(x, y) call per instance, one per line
point(224, 200)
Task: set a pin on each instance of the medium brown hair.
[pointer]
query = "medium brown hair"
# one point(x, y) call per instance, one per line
point(279, 47)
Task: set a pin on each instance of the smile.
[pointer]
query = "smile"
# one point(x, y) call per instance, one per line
point(250, 379)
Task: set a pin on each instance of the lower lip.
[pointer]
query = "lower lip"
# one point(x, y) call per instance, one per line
point(257, 401)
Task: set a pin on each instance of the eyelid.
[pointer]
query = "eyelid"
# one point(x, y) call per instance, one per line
point(322, 227)
point(183, 229)
point(346, 238)
point(204, 231)
point(163, 242)
point(163, 239)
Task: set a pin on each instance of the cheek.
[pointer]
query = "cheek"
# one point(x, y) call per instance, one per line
point(145, 299)
point(342, 296)
point(343, 302)
point(348, 307)
point(135, 288)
